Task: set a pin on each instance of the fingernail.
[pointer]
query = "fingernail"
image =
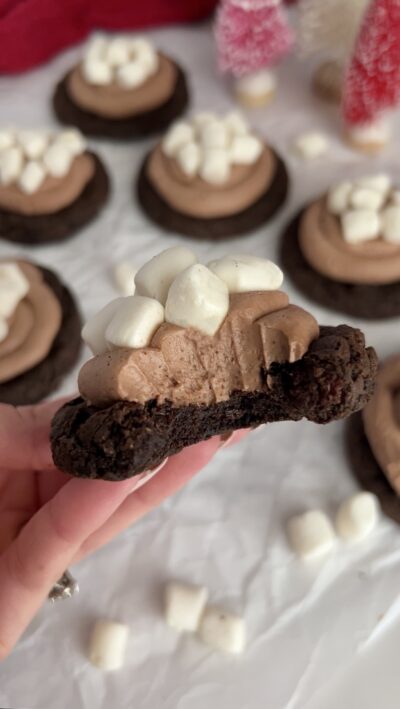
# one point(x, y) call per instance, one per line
point(144, 477)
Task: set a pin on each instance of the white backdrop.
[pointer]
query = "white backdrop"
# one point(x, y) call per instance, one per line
point(314, 631)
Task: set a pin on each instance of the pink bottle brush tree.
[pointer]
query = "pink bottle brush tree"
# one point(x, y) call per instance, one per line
point(252, 36)
point(372, 85)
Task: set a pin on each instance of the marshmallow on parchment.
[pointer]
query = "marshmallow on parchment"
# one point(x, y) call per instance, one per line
point(357, 516)
point(390, 220)
point(223, 631)
point(93, 332)
point(359, 225)
point(197, 298)
point(179, 134)
point(108, 644)
point(156, 276)
point(338, 197)
point(11, 164)
point(135, 322)
point(184, 605)
point(311, 145)
point(243, 273)
point(31, 177)
point(311, 534)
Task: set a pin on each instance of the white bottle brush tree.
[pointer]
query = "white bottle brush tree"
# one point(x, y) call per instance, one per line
point(329, 28)
point(252, 36)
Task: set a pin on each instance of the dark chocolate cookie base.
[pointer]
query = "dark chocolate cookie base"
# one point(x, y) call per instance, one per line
point(159, 211)
point(333, 379)
point(37, 383)
point(51, 228)
point(367, 471)
point(139, 126)
point(360, 300)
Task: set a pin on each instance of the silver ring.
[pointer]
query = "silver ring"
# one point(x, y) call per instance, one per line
point(65, 587)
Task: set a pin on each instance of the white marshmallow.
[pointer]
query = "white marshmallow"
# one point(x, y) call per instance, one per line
point(184, 605)
point(223, 631)
point(118, 51)
point(11, 164)
point(156, 276)
point(395, 197)
point(338, 197)
point(236, 124)
point(73, 140)
point(379, 183)
point(33, 143)
point(256, 84)
point(197, 298)
point(365, 198)
point(311, 534)
point(214, 134)
point(13, 288)
point(97, 72)
point(311, 145)
point(58, 159)
point(244, 273)
point(189, 158)
point(4, 329)
point(370, 133)
point(390, 221)
point(179, 134)
point(360, 225)
point(132, 74)
point(245, 149)
point(124, 277)
point(97, 48)
point(357, 516)
point(7, 139)
point(107, 645)
point(31, 177)
point(93, 332)
point(144, 51)
point(135, 322)
point(199, 119)
point(215, 167)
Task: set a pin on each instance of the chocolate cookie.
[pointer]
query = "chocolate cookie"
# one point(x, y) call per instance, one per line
point(334, 378)
point(359, 300)
point(138, 126)
point(49, 228)
point(159, 211)
point(41, 380)
point(366, 469)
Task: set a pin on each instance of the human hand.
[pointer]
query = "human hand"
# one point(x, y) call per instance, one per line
point(49, 520)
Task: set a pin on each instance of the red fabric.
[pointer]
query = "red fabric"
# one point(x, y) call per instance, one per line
point(372, 83)
point(32, 31)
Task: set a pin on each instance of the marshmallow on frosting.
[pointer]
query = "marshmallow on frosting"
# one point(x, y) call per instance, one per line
point(368, 208)
point(27, 157)
point(127, 61)
point(209, 146)
point(194, 296)
point(13, 288)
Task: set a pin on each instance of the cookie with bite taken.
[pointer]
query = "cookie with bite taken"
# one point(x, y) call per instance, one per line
point(374, 440)
point(343, 249)
point(50, 185)
point(200, 351)
point(123, 88)
point(39, 332)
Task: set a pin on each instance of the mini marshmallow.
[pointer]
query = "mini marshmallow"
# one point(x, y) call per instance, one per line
point(93, 332)
point(143, 50)
point(135, 322)
point(124, 277)
point(365, 198)
point(156, 276)
point(360, 225)
point(13, 287)
point(107, 645)
point(33, 143)
point(7, 139)
point(132, 74)
point(256, 84)
point(97, 72)
point(215, 166)
point(379, 183)
point(235, 123)
point(223, 631)
point(179, 134)
point(311, 145)
point(73, 140)
point(4, 329)
point(338, 197)
point(189, 158)
point(390, 224)
point(118, 52)
point(199, 119)
point(214, 134)
point(31, 177)
point(184, 605)
point(97, 48)
point(245, 149)
point(357, 516)
point(197, 298)
point(58, 159)
point(311, 534)
point(11, 164)
point(244, 273)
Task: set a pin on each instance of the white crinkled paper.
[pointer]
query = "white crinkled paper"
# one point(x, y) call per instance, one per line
point(314, 630)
